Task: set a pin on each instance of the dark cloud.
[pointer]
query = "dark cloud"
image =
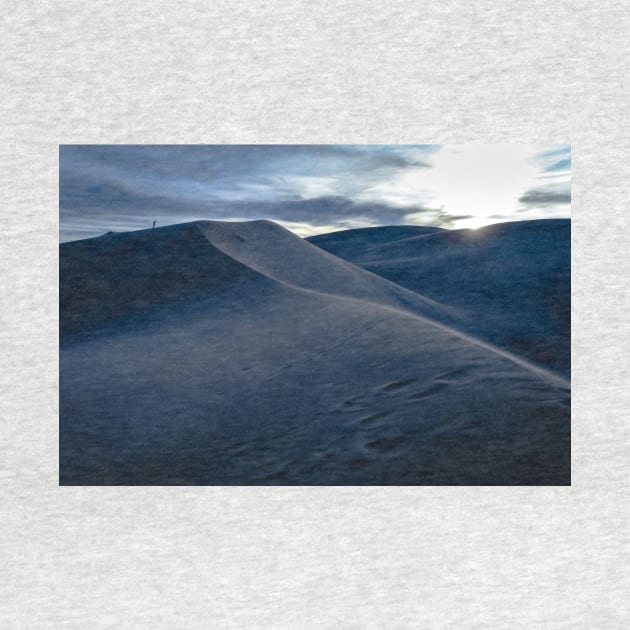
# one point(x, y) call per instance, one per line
point(146, 166)
point(323, 211)
point(212, 163)
point(319, 211)
point(125, 185)
point(541, 197)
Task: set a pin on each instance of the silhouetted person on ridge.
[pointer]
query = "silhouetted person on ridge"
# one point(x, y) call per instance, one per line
point(154, 222)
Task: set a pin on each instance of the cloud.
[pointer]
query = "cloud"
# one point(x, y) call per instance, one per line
point(211, 165)
point(561, 165)
point(551, 154)
point(542, 197)
point(128, 185)
point(309, 187)
point(319, 214)
point(437, 217)
point(550, 194)
point(228, 172)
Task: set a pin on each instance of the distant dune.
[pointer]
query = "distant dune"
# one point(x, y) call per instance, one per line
point(353, 244)
point(238, 353)
point(508, 283)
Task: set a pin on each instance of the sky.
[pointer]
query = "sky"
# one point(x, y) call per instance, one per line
point(310, 189)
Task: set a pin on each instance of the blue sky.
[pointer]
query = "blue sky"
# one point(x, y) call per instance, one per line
point(309, 189)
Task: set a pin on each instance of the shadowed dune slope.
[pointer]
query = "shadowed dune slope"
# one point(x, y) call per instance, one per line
point(226, 353)
point(110, 278)
point(510, 282)
point(106, 280)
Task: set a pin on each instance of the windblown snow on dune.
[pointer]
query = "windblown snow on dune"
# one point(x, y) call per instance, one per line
point(237, 353)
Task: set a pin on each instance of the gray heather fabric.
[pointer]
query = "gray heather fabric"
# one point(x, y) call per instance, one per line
point(285, 72)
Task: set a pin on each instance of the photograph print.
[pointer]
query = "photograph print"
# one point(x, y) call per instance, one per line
point(315, 315)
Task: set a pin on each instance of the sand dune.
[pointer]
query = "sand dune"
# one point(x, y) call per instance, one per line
point(353, 244)
point(237, 353)
point(509, 283)
point(106, 279)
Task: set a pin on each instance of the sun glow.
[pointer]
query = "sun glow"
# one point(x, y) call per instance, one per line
point(473, 223)
point(481, 180)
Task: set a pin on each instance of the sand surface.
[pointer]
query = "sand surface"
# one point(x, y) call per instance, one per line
point(238, 353)
point(509, 283)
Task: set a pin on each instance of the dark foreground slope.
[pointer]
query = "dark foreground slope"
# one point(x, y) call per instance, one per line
point(225, 353)
point(510, 283)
